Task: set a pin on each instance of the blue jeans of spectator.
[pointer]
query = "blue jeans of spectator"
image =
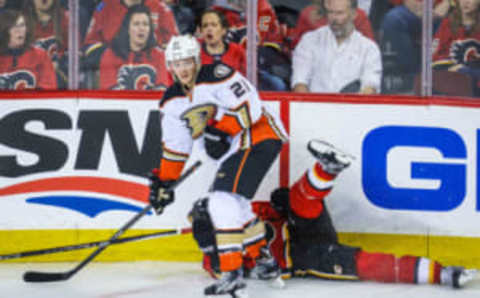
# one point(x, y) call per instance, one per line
point(270, 82)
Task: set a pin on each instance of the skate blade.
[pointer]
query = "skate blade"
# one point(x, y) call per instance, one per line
point(238, 293)
point(277, 283)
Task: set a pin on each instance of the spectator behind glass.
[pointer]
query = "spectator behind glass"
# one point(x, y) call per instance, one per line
point(22, 66)
point(3, 5)
point(365, 5)
point(273, 69)
point(134, 61)
point(50, 23)
point(87, 7)
point(337, 58)
point(457, 41)
point(213, 28)
point(109, 14)
point(401, 42)
point(183, 15)
point(314, 16)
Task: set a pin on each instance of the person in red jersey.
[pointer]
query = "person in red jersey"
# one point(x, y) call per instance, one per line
point(213, 28)
point(304, 242)
point(50, 22)
point(274, 65)
point(457, 41)
point(268, 27)
point(22, 66)
point(311, 246)
point(109, 14)
point(134, 61)
point(314, 16)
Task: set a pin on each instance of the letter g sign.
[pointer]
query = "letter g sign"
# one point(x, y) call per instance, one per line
point(452, 176)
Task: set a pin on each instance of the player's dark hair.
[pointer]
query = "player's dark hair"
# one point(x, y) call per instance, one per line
point(121, 42)
point(8, 19)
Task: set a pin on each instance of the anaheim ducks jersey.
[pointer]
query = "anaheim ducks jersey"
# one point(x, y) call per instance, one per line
point(222, 94)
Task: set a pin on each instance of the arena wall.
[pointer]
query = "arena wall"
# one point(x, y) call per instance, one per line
point(72, 167)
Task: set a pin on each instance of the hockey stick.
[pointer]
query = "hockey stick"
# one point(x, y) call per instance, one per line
point(52, 250)
point(35, 276)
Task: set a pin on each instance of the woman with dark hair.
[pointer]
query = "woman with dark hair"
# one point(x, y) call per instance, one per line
point(134, 61)
point(213, 29)
point(22, 66)
point(50, 23)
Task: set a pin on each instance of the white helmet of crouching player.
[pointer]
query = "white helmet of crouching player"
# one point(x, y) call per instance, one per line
point(180, 49)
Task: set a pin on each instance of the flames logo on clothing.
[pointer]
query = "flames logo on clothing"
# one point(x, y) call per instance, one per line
point(17, 80)
point(136, 77)
point(465, 51)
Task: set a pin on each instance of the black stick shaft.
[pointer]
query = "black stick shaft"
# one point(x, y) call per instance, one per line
point(32, 276)
point(66, 248)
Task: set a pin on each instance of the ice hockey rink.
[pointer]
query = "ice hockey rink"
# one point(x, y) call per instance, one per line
point(187, 280)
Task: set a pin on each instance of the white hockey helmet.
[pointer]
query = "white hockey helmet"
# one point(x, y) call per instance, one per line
point(182, 47)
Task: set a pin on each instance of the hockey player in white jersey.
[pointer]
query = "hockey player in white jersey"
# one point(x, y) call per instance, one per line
point(218, 104)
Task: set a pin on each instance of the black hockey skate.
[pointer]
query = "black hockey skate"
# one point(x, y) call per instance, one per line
point(266, 267)
point(332, 159)
point(230, 284)
point(456, 276)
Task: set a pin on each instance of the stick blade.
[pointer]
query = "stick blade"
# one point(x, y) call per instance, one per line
point(34, 276)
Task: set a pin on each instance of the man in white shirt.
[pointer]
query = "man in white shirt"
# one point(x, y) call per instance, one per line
point(337, 58)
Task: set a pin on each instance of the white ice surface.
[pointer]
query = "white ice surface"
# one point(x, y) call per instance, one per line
point(185, 280)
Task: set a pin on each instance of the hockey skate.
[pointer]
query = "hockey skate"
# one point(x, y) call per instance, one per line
point(332, 159)
point(266, 268)
point(230, 284)
point(456, 276)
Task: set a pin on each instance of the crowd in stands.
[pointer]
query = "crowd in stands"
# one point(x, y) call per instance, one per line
point(352, 46)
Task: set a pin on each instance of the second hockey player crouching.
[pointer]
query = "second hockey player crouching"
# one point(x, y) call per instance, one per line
point(218, 104)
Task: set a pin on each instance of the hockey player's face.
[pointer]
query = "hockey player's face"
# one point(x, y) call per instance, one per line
point(139, 30)
point(43, 5)
point(211, 28)
point(340, 17)
point(184, 70)
point(18, 33)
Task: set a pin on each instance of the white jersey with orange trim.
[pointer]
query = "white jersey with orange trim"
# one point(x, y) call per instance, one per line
point(222, 94)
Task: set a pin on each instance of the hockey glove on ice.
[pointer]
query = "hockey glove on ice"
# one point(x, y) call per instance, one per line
point(217, 142)
point(159, 195)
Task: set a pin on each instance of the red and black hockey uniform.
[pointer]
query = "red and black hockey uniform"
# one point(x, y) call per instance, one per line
point(29, 68)
point(45, 37)
point(268, 27)
point(234, 56)
point(456, 47)
point(144, 70)
point(108, 17)
point(304, 240)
